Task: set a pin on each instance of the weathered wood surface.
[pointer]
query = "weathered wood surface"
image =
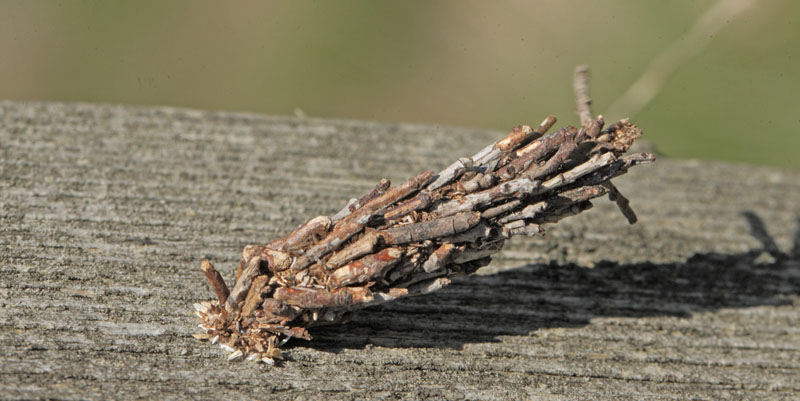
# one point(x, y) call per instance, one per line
point(106, 212)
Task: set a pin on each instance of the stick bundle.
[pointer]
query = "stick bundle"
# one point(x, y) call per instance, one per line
point(409, 240)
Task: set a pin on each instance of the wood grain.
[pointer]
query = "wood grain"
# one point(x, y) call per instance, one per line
point(107, 211)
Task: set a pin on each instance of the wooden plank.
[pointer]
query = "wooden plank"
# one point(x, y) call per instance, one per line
point(106, 213)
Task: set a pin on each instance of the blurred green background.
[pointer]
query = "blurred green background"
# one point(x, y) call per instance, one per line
point(730, 90)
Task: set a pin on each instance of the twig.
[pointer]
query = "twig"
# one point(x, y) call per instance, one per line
point(216, 281)
point(366, 268)
point(622, 202)
point(582, 99)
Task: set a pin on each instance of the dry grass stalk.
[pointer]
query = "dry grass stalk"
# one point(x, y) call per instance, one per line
point(409, 240)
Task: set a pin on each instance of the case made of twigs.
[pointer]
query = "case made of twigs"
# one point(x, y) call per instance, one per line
point(411, 239)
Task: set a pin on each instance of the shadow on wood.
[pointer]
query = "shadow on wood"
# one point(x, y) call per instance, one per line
point(546, 296)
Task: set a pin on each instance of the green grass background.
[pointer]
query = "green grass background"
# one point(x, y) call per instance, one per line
point(492, 64)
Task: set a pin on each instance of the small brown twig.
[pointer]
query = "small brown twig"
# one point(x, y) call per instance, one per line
point(216, 281)
point(582, 99)
point(622, 202)
point(411, 239)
